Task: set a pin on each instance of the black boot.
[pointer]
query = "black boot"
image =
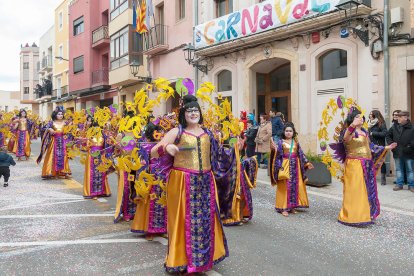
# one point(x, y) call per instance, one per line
point(383, 179)
point(6, 184)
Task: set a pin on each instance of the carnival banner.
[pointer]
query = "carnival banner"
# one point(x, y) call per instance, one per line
point(258, 18)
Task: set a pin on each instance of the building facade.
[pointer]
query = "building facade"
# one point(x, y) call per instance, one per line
point(61, 57)
point(401, 68)
point(89, 53)
point(292, 57)
point(10, 100)
point(46, 61)
point(29, 75)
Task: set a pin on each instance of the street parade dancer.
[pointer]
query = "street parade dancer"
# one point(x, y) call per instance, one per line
point(196, 240)
point(54, 147)
point(23, 127)
point(288, 168)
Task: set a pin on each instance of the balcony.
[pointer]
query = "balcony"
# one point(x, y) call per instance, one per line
point(100, 77)
point(155, 40)
point(46, 65)
point(100, 37)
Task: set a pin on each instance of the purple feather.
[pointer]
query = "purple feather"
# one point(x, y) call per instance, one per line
point(339, 151)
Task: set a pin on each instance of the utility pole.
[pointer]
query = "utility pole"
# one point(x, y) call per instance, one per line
point(386, 64)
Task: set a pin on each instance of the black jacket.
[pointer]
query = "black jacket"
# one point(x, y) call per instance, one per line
point(6, 160)
point(250, 135)
point(404, 137)
point(277, 126)
point(377, 134)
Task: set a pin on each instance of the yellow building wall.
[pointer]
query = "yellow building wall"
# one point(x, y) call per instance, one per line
point(61, 67)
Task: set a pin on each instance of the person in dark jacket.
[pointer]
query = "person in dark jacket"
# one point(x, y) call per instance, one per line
point(403, 135)
point(250, 134)
point(5, 162)
point(277, 124)
point(377, 130)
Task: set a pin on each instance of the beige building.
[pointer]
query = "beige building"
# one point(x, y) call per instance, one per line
point(401, 55)
point(29, 75)
point(61, 56)
point(10, 100)
point(291, 58)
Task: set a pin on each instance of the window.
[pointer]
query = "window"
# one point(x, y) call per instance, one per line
point(6, 108)
point(60, 52)
point(333, 65)
point(119, 48)
point(78, 65)
point(78, 26)
point(26, 90)
point(261, 82)
point(60, 20)
point(229, 98)
point(181, 9)
point(25, 65)
point(223, 7)
point(118, 7)
point(224, 81)
point(280, 79)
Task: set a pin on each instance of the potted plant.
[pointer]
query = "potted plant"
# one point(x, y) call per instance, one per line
point(320, 175)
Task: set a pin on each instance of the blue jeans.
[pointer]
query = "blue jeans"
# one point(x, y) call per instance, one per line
point(400, 163)
point(259, 158)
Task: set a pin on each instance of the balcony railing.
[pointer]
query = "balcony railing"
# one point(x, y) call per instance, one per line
point(100, 76)
point(46, 63)
point(156, 39)
point(100, 36)
point(64, 91)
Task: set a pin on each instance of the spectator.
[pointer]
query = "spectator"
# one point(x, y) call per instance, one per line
point(250, 135)
point(277, 125)
point(5, 162)
point(403, 135)
point(377, 130)
point(262, 140)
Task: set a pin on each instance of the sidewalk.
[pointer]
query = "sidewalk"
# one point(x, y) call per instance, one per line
point(402, 200)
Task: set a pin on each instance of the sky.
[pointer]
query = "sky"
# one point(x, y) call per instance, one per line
point(21, 21)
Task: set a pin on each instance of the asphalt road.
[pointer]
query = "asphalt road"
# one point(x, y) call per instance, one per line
point(47, 228)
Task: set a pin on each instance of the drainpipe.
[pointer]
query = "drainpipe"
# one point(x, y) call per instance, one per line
point(195, 18)
point(386, 64)
point(386, 77)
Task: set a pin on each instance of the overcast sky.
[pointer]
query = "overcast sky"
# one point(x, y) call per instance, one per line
point(21, 22)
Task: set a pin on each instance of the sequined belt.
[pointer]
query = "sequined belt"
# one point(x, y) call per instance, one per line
point(191, 171)
point(286, 155)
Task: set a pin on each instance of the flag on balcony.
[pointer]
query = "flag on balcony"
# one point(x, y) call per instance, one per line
point(150, 12)
point(140, 18)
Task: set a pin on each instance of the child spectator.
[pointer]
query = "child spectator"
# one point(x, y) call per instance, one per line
point(5, 161)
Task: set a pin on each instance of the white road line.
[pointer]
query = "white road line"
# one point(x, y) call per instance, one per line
point(37, 205)
point(212, 273)
point(385, 208)
point(55, 216)
point(69, 242)
point(161, 240)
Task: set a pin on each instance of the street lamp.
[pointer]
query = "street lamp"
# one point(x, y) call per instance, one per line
point(349, 5)
point(134, 66)
point(189, 56)
point(61, 58)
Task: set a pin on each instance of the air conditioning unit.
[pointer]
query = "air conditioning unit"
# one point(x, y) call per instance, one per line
point(397, 15)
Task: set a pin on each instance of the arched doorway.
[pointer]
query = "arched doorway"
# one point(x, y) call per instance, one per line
point(273, 86)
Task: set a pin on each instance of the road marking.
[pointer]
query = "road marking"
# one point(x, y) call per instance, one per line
point(38, 205)
point(72, 183)
point(212, 273)
point(161, 240)
point(55, 216)
point(102, 200)
point(338, 198)
point(69, 242)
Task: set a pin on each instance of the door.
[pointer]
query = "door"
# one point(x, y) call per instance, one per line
point(411, 95)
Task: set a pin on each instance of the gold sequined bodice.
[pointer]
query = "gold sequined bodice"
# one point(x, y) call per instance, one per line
point(22, 125)
point(197, 159)
point(58, 126)
point(286, 147)
point(358, 147)
point(96, 142)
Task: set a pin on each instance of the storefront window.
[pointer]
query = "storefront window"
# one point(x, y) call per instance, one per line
point(224, 81)
point(333, 65)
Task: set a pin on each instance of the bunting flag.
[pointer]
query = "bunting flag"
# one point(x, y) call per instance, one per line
point(134, 15)
point(141, 27)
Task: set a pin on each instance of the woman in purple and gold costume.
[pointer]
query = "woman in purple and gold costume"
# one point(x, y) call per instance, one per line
point(290, 193)
point(54, 151)
point(360, 205)
point(22, 143)
point(151, 216)
point(95, 182)
point(196, 240)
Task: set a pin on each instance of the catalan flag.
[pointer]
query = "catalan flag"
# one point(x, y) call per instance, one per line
point(141, 27)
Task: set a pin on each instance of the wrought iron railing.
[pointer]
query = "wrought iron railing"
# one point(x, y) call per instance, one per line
point(156, 36)
point(100, 76)
point(46, 62)
point(100, 33)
